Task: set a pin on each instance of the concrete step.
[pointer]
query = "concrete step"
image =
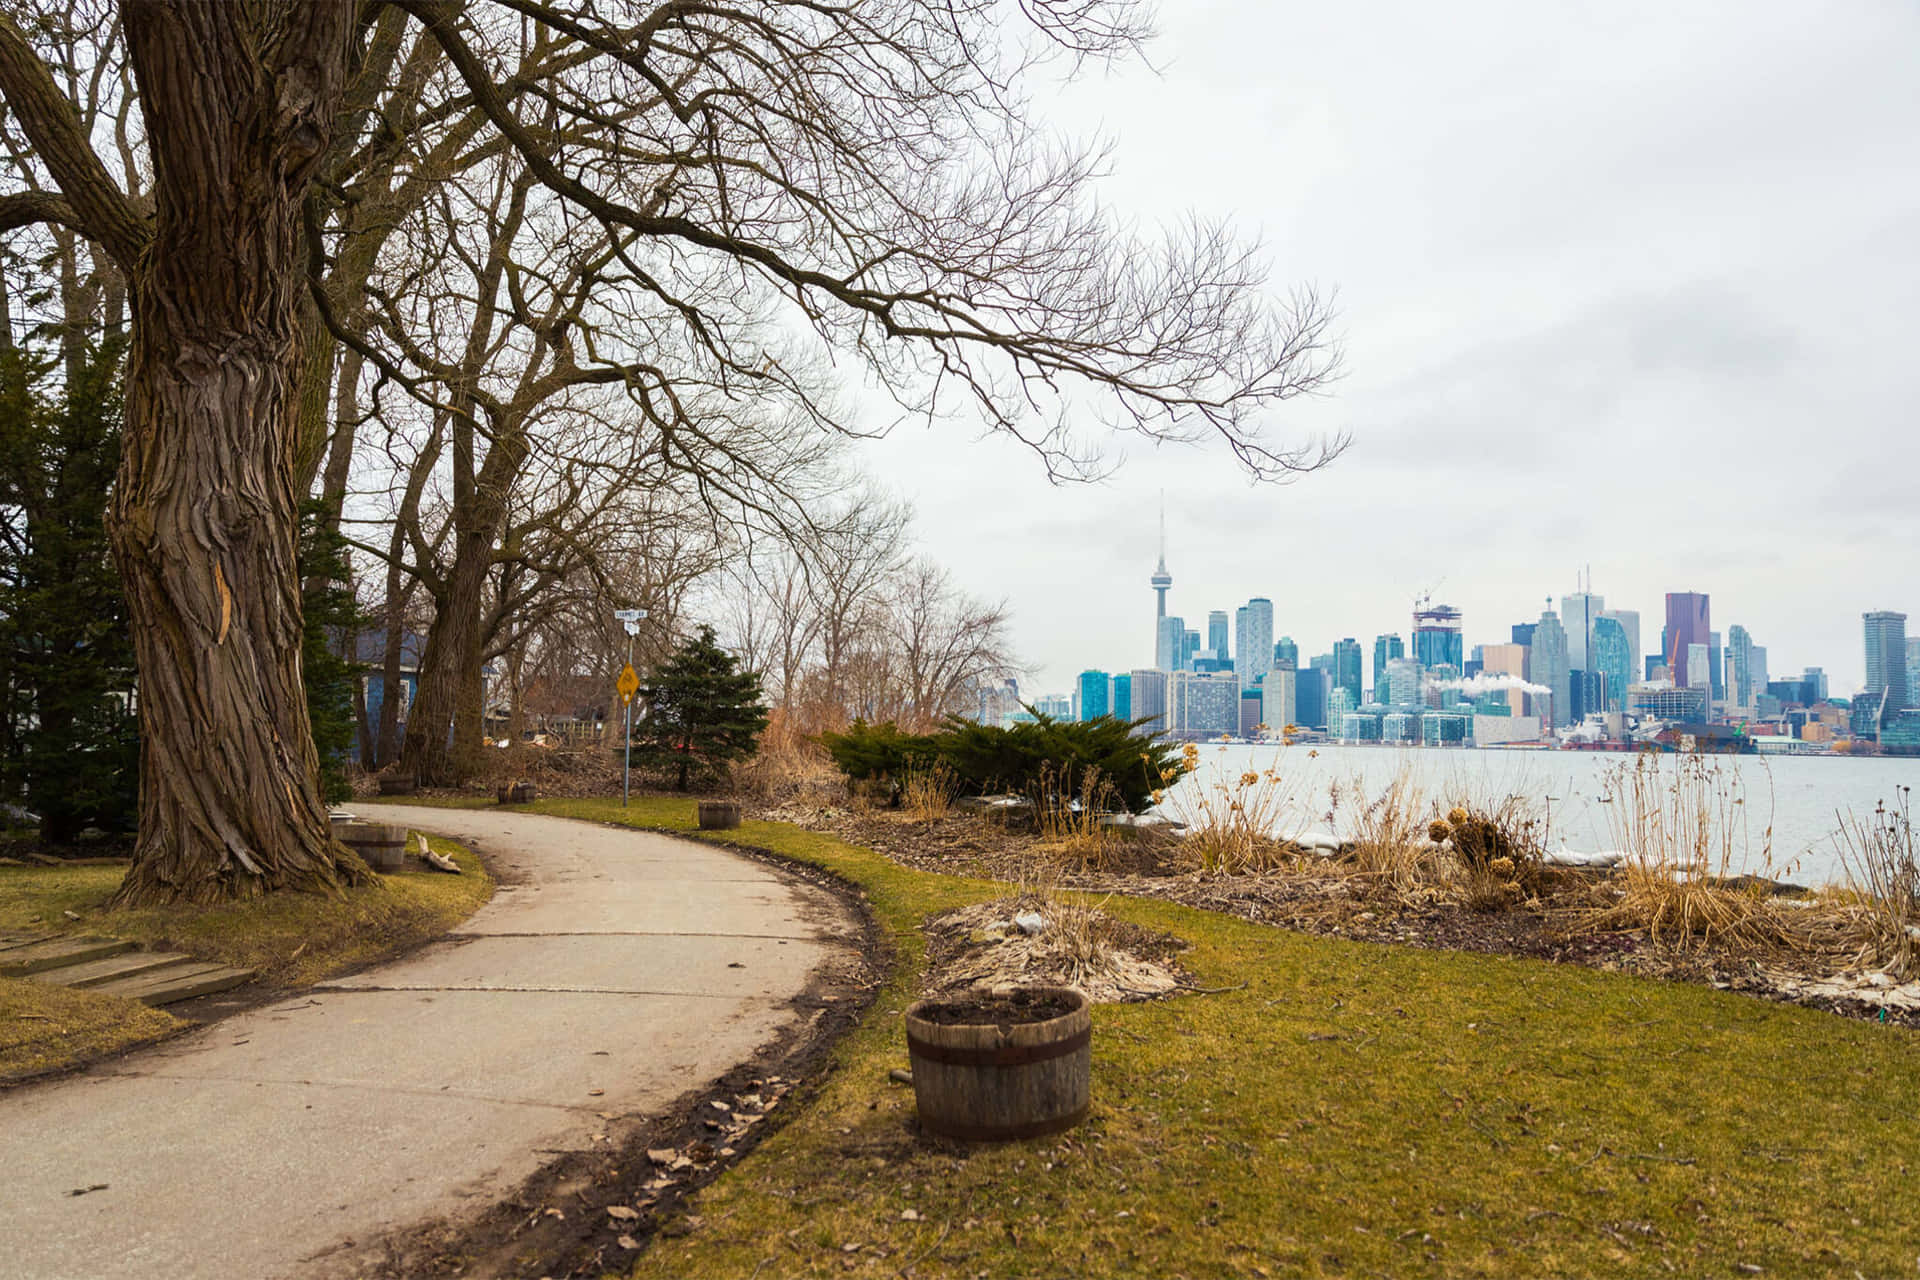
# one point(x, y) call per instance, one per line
point(128, 964)
point(57, 953)
point(184, 982)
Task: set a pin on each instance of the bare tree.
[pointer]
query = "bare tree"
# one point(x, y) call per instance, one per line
point(868, 171)
point(946, 641)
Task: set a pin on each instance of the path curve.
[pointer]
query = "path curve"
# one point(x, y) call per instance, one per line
point(612, 971)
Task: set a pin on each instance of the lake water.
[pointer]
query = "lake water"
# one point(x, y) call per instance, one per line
point(1792, 804)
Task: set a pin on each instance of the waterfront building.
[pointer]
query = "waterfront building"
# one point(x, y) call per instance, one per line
point(1444, 729)
point(1403, 683)
point(1346, 665)
point(1436, 637)
point(1548, 659)
point(1698, 675)
point(1717, 666)
point(1253, 640)
point(1612, 660)
point(1203, 705)
point(1689, 623)
point(1360, 726)
point(1400, 726)
point(1385, 649)
point(1169, 639)
point(1189, 650)
point(1667, 701)
point(1815, 678)
point(1913, 670)
point(1340, 704)
point(1886, 645)
point(1055, 706)
point(1280, 699)
point(1250, 717)
point(1739, 678)
point(1094, 691)
point(1286, 653)
point(1147, 698)
point(1123, 696)
point(1579, 610)
point(1629, 620)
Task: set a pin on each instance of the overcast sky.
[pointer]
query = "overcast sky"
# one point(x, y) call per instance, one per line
point(1628, 286)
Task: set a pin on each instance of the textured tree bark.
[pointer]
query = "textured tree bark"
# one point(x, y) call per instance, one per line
point(239, 105)
point(436, 750)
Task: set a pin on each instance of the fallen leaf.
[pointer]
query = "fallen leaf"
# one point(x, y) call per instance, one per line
point(850, 1248)
point(595, 1093)
point(662, 1155)
point(910, 1215)
point(621, 1212)
point(718, 1105)
point(627, 1242)
point(555, 1213)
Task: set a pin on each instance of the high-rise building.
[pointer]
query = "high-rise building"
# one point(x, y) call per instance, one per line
point(1699, 672)
point(1689, 622)
point(1217, 634)
point(1280, 699)
point(1385, 649)
point(1346, 665)
point(1286, 651)
point(1739, 659)
point(1203, 705)
point(1253, 640)
point(1147, 694)
point(1506, 660)
point(1886, 682)
point(1403, 683)
point(1094, 692)
point(1913, 670)
point(1436, 637)
point(1523, 633)
point(1169, 642)
point(1612, 661)
point(1123, 696)
point(1189, 650)
point(1757, 670)
point(1629, 620)
point(1579, 610)
point(1312, 691)
point(1815, 678)
point(1717, 666)
point(1548, 659)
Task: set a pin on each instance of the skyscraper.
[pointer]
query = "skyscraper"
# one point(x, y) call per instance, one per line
point(1385, 649)
point(1548, 659)
point(1346, 666)
point(1169, 642)
point(1402, 683)
point(1436, 637)
point(1629, 620)
point(1612, 662)
point(1689, 622)
point(1506, 660)
point(1886, 683)
point(1312, 690)
point(1147, 692)
point(1716, 666)
point(1285, 650)
point(1123, 696)
point(1280, 698)
point(1739, 657)
point(1579, 610)
point(1253, 640)
point(1217, 634)
point(1096, 694)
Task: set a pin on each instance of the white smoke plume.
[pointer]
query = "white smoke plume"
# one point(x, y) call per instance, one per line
point(1490, 682)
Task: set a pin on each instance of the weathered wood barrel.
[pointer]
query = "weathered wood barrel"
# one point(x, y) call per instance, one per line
point(515, 793)
point(394, 785)
point(719, 815)
point(992, 1081)
point(380, 845)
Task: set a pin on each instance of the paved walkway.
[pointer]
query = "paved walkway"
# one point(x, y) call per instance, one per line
point(601, 978)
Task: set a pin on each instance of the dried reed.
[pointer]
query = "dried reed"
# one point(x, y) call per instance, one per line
point(1233, 824)
point(1880, 858)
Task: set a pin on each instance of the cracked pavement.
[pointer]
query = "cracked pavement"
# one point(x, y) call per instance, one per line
point(612, 971)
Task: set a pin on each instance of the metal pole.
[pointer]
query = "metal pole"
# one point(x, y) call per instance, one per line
point(626, 772)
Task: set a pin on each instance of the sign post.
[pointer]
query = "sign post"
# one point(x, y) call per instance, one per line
point(629, 684)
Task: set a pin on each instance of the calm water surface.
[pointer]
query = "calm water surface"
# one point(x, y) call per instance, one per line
point(1792, 803)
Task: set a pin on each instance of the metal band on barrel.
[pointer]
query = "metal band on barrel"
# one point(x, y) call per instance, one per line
point(1013, 1055)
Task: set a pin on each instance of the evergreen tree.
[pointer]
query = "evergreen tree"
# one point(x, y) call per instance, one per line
point(71, 737)
point(701, 711)
point(331, 619)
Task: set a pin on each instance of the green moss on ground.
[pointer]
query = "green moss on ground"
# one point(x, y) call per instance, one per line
point(290, 939)
point(1353, 1109)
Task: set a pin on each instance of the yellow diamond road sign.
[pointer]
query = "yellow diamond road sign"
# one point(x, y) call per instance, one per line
point(629, 684)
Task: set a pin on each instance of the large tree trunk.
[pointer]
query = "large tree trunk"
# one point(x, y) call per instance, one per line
point(443, 728)
point(204, 515)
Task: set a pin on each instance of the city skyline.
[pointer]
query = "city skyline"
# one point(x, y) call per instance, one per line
point(1628, 287)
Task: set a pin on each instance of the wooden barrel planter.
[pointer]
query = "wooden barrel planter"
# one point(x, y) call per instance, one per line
point(380, 845)
point(397, 786)
point(515, 793)
point(995, 1068)
point(719, 815)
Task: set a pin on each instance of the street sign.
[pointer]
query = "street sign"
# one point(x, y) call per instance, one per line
point(629, 615)
point(629, 684)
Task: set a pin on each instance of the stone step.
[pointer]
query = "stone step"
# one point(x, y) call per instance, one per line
point(182, 983)
point(127, 964)
point(57, 953)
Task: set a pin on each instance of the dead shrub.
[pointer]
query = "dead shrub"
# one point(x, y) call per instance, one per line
point(928, 792)
point(1389, 849)
point(1233, 824)
point(788, 766)
point(1883, 920)
point(1497, 849)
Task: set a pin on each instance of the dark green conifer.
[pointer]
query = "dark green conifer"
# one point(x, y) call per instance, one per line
point(701, 712)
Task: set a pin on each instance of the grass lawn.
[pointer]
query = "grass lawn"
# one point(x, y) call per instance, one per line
point(292, 940)
point(1354, 1110)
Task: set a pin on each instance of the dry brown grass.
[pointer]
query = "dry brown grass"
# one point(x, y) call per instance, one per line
point(1069, 820)
point(1232, 824)
point(1389, 848)
point(928, 792)
point(789, 766)
point(1684, 823)
point(1882, 908)
point(1497, 848)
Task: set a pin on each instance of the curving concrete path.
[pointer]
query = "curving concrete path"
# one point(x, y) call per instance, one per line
point(611, 972)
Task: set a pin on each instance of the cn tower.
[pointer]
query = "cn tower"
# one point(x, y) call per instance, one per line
point(1161, 579)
